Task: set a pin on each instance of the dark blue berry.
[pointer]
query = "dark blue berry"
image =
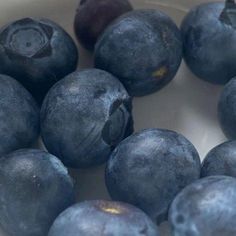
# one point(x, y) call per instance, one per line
point(227, 109)
point(103, 218)
point(34, 189)
point(36, 52)
point(84, 116)
point(206, 207)
point(209, 33)
point(93, 16)
point(221, 160)
point(149, 168)
point(143, 48)
point(19, 115)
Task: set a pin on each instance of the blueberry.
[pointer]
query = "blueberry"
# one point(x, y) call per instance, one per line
point(149, 168)
point(206, 207)
point(34, 189)
point(19, 115)
point(227, 109)
point(209, 41)
point(36, 52)
point(84, 116)
point(93, 16)
point(103, 218)
point(221, 160)
point(143, 48)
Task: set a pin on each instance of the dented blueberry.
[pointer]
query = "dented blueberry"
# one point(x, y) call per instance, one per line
point(227, 109)
point(36, 52)
point(34, 189)
point(93, 16)
point(19, 116)
point(221, 160)
point(103, 218)
point(209, 32)
point(149, 168)
point(84, 116)
point(143, 48)
point(206, 207)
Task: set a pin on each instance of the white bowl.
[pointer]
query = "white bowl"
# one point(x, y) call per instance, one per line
point(187, 105)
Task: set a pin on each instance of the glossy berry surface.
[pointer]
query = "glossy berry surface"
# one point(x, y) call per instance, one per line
point(149, 168)
point(209, 32)
point(36, 52)
point(34, 189)
point(206, 207)
point(93, 16)
point(144, 62)
point(221, 160)
point(227, 109)
point(103, 218)
point(84, 116)
point(19, 116)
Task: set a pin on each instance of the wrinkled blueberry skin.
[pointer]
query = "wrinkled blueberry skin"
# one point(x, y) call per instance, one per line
point(84, 116)
point(206, 207)
point(144, 62)
point(93, 17)
point(36, 52)
point(227, 109)
point(209, 42)
point(34, 189)
point(103, 218)
point(19, 116)
point(149, 168)
point(221, 160)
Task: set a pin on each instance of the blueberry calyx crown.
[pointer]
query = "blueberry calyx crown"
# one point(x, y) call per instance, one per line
point(115, 127)
point(27, 38)
point(228, 15)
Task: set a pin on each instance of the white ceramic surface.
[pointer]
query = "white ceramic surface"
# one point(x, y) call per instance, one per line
point(187, 105)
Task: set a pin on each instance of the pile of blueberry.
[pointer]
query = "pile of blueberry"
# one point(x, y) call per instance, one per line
point(85, 119)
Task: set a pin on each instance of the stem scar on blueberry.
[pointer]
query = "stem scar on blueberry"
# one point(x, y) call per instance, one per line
point(160, 73)
point(111, 210)
point(228, 15)
point(111, 133)
point(37, 44)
